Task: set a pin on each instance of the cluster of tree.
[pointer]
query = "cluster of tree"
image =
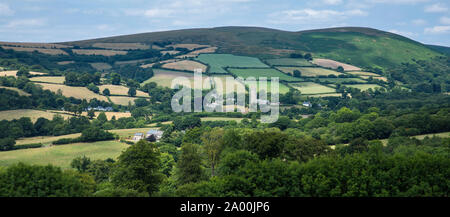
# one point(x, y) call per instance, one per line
point(306, 56)
point(134, 72)
point(82, 79)
point(91, 134)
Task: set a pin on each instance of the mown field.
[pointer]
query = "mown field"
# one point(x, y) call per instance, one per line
point(282, 88)
point(63, 155)
point(49, 79)
point(363, 87)
point(309, 71)
point(218, 62)
point(120, 90)
point(268, 73)
point(358, 73)
point(76, 92)
point(288, 62)
point(99, 52)
point(31, 113)
point(185, 65)
point(122, 100)
point(311, 88)
point(327, 63)
point(341, 80)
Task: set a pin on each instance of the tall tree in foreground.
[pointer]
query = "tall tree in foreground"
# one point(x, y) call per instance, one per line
point(138, 168)
point(189, 166)
point(212, 142)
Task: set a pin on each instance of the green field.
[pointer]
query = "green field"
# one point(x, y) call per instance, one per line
point(218, 62)
point(341, 80)
point(363, 87)
point(62, 155)
point(268, 73)
point(282, 88)
point(312, 88)
point(309, 71)
point(288, 62)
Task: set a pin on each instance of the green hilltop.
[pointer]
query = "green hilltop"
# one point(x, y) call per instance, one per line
point(363, 47)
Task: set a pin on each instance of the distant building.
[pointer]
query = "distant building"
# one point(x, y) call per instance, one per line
point(137, 137)
point(100, 108)
point(307, 104)
point(155, 133)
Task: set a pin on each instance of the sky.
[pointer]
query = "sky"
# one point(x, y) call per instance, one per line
point(426, 21)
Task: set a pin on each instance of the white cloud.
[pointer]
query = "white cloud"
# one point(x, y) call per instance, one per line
point(437, 30)
point(445, 20)
point(436, 8)
point(403, 33)
point(26, 23)
point(5, 10)
point(306, 16)
point(332, 2)
point(398, 1)
point(419, 22)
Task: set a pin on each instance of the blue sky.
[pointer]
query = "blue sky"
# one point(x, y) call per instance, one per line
point(427, 21)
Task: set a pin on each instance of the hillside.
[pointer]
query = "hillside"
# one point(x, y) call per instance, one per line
point(363, 47)
point(442, 49)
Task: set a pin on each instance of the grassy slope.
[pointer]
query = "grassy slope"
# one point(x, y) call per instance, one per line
point(362, 47)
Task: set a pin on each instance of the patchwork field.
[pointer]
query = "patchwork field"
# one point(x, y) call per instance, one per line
point(40, 50)
point(99, 52)
point(109, 115)
point(122, 46)
point(288, 62)
point(185, 65)
point(218, 62)
point(363, 73)
point(31, 113)
point(34, 45)
point(377, 78)
point(308, 88)
point(63, 155)
point(19, 91)
point(363, 87)
point(326, 95)
point(268, 73)
point(76, 92)
point(49, 79)
point(120, 90)
point(282, 88)
point(327, 63)
point(309, 71)
point(341, 80)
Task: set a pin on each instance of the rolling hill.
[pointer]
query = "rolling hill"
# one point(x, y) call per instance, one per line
point(363, 47)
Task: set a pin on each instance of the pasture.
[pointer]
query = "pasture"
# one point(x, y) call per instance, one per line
point(309, 88)
point(109, 115)
point(359, 73)
point(49, 79)
point(76, 92)
point(187, 46)
point(120, 90)
point(218, 62)
point(268, 73)
point(185, 65)
point(14, 72)
point(309, 71)
point(327, 63)
point(363, 87)
point(377, 78)
point(282, 89)
point(288, 62)
point(122, 100)
point(341, 80)
point(31, 113)
point(63, 155)
point(122, 46)
point(34, 45)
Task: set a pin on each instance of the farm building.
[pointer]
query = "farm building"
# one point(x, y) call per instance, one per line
point(157, 134)
point(307, 104)
point(138, 136)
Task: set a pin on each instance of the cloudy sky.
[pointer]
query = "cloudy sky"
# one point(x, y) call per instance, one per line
point(427, 21)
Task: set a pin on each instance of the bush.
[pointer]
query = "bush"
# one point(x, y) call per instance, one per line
point(7, 144)
point(65, 141)
point(27, 146)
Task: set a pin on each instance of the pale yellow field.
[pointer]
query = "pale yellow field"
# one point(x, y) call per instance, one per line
point(120, 90)
point(32, 114)
point(13, 73)
point(99, 52)
point(165, 61)
point(309, 71)
point(122, 46)
point(40, 50)
point(187, 46)
point(312, 88)
point(45, 140)
point(109, 115)
point(21, 92)
point(122, 100)
point(185, 65)
point(204, 50)
point(327, 63)
point(76, 92)
point(49, 79)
